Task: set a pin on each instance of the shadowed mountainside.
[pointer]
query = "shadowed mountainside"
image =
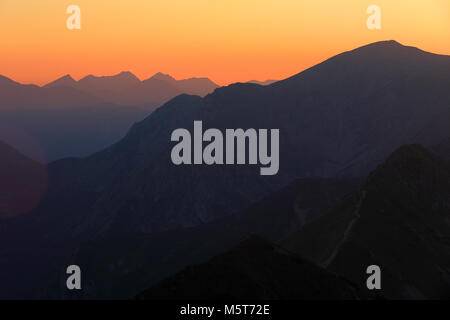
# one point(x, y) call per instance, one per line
point(339, 118)
point(144, 259)
point(443, 149)
point(22, 182)
point(254, 269)
point(399, 220)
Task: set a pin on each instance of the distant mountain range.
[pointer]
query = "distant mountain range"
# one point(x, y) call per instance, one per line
point(263, 83)
point(14, 95)
point(126, 89)
point(337, 120)
point(69, 118)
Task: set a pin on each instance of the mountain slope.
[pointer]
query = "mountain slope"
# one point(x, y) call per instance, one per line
point(340, 118)
point(399, 220)
point(22, 182)
point(130, 262)
point(254, 269)
point(65, 80)
point(443, 149)
point(263, 83)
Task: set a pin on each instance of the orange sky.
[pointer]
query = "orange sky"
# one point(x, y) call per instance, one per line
point(225, 40)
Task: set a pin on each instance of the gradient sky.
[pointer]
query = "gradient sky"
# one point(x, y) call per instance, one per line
point(225, 40)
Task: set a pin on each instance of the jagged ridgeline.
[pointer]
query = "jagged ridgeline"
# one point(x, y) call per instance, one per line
point(338, 119)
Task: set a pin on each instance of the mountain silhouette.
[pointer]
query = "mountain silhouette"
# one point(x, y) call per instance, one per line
point(338, 119)
point(64, 81)
point(148, 258)
point(254, 269)
point(14, 95)
point(443, 149)
point(62, 118)
point(22, 182)
point(263, 83)
point(126, 89)
point(71, 118)
point(398, 220)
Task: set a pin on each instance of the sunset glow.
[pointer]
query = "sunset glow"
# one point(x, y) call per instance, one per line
point(227, 41)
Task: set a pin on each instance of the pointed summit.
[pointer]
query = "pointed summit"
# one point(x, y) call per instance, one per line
point(65, 80)
point(123, 76)
point(127, 75)
point(103, 85)
point(162, 76)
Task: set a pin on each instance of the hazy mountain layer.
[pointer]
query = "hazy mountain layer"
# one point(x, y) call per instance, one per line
point(339, 118)
point(126, 89)
point(68, 118)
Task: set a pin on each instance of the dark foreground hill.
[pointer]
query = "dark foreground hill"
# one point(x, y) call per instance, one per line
point(120, 266)
point(23, 182)
point(254, 269)
point(399, 220)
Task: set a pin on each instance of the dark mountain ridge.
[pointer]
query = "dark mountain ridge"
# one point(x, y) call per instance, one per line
point(22, 182)
point(144, 259)
point(399, 220)
point(338, 119)
point(256, 270)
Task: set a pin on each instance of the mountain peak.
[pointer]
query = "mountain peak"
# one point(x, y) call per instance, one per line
point(87, 77)
point(385, 47)
point(162, 76)
point(411, 163)
point(408, 153)
point(67, 77)
point(65, 80)
point(387, 43)
point(126, 75)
